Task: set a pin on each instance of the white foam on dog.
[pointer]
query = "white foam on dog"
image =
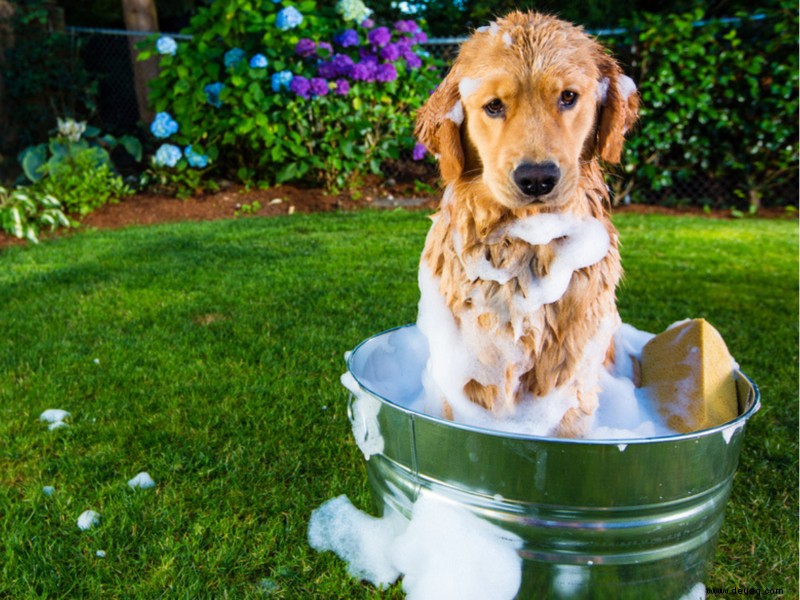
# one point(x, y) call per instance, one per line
point(142, 481)
point(88, 519)
point(454, 347)
point(443, 551)
point(626, 86)
point(601, 92)
point(468, 86)
point(456, 114)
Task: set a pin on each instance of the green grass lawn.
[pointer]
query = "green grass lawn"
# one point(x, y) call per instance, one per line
point(209, 355)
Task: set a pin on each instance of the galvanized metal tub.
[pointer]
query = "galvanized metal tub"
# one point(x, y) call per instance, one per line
point(598, 519)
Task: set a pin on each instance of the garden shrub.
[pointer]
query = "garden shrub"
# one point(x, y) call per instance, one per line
point(75, 166)
point(268, 92)
point(719, 103)
point(23, 213)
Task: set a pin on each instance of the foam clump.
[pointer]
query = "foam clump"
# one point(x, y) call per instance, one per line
point(689, 372)
point(359, 539)
point(142, 481)
point(442, 551)
point(88, 519)
point(56, 417)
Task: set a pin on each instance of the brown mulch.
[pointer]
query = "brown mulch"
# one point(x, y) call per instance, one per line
point(238, 202)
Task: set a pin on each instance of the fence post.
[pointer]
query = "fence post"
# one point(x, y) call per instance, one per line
point(140, 15)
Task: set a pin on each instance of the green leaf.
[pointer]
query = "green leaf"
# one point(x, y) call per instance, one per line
point(132, 146)
point(33, 159)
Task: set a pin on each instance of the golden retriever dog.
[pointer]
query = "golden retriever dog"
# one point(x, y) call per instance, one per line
point(519, 271)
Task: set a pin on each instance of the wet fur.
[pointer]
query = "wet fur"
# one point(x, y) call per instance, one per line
point(545, 56)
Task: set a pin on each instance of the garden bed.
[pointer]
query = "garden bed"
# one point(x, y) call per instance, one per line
point(236, 201)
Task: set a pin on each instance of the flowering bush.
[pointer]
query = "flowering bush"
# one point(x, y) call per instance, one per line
point(288, 92)
point(76, 166)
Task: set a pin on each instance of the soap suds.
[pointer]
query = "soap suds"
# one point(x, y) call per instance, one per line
point(467, 87)
point(88, 519)
point(142, 481)
point(456, 114)
point(56, 417)
point(444, 551)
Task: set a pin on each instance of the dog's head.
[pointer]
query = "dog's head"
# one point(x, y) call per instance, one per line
point(528, 100)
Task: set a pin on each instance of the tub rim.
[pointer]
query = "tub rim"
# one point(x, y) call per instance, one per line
point(752, 404)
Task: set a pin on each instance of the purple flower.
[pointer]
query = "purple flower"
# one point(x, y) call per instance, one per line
point(365, 70)
point(386, 73)
point(420, 37)
point(379, 37)
point(406, 27)
point(342, 87)
point(319, 86)
point(347, 38)
point(305, 48)
point(343, 65)
point(390, 52)
point(368, 23)
point(301, 86)
point(326, 70)
point(324, 49)
point(413, 61)
point(419, 152)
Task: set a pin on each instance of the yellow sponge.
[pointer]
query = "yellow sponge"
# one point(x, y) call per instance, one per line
point(690, 373)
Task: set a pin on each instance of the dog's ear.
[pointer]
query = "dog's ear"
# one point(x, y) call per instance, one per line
point(439, 127)
point(618, 112)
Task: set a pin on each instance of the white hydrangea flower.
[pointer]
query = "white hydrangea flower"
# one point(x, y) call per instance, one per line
point(353, 10)
point(71, 129)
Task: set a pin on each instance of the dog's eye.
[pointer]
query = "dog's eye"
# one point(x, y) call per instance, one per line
point(568, 99)
point(495, 108)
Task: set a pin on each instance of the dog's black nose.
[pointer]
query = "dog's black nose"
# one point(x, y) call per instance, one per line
point(536, 179)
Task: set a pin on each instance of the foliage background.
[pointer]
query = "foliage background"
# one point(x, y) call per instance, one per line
point(720, 102)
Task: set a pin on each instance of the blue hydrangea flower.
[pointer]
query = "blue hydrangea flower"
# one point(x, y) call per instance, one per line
point(259, 61)
point(213, 91)
point(349, 37)
point(233, 56)
point(167, 155)
point(164, 125)
point(166, 45)
point(195, 159)
point(288, 18)
point(281, 80)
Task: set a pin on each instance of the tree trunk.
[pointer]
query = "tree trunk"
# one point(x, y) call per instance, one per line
point(6, 41)
point(140, 15)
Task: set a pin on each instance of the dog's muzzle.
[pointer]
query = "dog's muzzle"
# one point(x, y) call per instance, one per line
point(536, 179)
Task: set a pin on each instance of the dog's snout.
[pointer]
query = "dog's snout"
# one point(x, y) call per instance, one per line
point(536, 179)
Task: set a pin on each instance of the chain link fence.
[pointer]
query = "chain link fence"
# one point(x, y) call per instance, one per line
point(106, 54)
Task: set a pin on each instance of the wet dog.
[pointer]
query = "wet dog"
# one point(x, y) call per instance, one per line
point(519, 272)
